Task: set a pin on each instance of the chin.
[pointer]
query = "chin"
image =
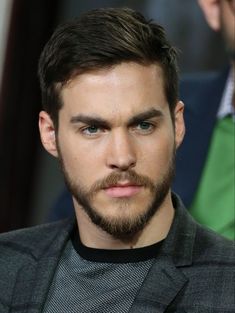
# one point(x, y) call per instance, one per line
point(124, 220)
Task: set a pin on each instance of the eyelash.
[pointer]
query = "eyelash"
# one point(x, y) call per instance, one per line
point(150, 128)
point(85, 130)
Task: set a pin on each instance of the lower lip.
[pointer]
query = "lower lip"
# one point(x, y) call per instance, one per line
point(120, 192)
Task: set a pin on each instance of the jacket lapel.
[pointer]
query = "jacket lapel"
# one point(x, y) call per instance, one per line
point(165, 279)
point(33, 279)
point(163, 283)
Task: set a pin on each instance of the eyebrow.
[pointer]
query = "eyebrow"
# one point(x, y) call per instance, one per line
point(89, 120)
point(98, 121)
point(144, 116)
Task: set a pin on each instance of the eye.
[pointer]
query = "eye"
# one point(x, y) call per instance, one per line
point(144, 125)
point(91, 130)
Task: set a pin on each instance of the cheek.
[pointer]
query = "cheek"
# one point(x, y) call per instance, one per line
point(81, 160)
point(156, 155)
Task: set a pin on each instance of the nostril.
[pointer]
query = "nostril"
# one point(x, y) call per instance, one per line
point(122, 166)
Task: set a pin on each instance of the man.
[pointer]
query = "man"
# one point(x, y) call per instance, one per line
point(113, 118)
point(206, 168)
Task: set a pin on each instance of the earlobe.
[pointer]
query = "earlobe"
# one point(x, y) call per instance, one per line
point(179, 123)
point(47, 133)
point(211, 10)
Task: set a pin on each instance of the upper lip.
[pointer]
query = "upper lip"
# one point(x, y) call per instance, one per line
point(123, 184)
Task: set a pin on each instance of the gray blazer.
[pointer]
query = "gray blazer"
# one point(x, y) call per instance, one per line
point(194, 272)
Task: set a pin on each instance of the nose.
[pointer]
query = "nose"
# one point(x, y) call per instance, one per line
point(121, 152)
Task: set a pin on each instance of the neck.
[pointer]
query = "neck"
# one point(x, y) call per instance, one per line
point(156, 230)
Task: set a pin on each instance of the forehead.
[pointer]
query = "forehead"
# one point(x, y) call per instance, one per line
point(124, 87)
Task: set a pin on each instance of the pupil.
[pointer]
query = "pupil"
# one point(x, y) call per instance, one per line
point(144, 125)
point(93, 129)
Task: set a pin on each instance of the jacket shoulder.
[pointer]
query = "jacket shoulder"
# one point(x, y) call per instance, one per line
point(202, 86)
point(211, 275)
point(23, 252)
point(32, 242)
point(201, 81)
point(212, 248)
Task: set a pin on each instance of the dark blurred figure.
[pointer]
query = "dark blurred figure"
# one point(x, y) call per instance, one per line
point(206, 168)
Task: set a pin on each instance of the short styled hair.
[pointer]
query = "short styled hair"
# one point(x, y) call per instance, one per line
point(99, 39)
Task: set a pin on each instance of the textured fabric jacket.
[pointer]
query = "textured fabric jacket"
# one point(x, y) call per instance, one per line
point(194, 272)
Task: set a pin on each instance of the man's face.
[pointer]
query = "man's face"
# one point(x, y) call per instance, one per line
point(116, 143)
point(227, 21)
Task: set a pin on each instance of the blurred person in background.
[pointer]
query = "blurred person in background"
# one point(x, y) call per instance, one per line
point(205, 166)
point(113, 118)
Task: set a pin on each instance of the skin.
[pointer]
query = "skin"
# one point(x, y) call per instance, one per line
point(90, 153)
point(221, 17)
point(227, 22)
point(217, 14)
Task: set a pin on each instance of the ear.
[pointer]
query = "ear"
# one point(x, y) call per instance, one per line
point(211, 10)
point(179, 123)
point(47, 133)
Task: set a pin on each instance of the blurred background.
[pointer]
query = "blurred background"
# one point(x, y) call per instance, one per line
point(30, 180)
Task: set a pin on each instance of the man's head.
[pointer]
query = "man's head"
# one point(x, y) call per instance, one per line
point(220, 15)
point(112, 116)
point(101, 39)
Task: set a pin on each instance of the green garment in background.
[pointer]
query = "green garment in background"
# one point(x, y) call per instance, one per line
point(214, 203)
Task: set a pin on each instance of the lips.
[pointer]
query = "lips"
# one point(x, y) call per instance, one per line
point(122, 190)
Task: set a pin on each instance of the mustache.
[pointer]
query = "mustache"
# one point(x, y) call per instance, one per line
point(116, 177)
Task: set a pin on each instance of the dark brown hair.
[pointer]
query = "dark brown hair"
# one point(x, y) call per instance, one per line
point(104, 38)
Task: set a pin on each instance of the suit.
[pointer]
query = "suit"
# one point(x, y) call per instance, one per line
point(194, 271)
point(202, 95)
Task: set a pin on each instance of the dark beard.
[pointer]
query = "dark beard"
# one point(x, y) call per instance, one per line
point(120, 228)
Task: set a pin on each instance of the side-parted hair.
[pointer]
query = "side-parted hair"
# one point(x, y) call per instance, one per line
point(99, 39)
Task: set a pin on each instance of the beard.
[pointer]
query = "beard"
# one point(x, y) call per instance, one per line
point(120, 227)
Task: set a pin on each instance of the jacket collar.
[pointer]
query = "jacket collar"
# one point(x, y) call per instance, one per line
point(180, 240)
point(165, 280)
